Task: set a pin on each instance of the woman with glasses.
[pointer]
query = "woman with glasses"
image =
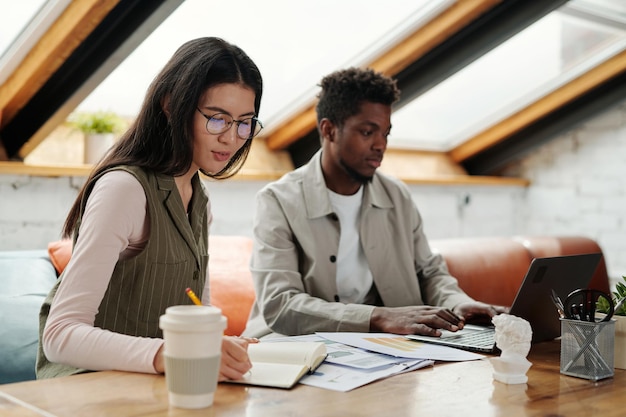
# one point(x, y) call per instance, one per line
point(140, 223)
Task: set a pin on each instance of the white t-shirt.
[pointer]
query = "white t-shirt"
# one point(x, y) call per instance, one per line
point(354, 278)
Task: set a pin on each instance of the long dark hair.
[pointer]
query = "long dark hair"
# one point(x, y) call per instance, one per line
point(163, 143)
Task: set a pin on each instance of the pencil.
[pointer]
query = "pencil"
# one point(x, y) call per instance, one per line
point(193, 297)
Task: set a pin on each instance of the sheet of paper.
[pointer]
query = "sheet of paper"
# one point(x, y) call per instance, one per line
point(348, 367)
point(279, 375)
point(342, 354)
point(400, 346)
point(344, 378)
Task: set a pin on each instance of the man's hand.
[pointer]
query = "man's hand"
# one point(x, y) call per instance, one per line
point(479, 312)
point(424, 320)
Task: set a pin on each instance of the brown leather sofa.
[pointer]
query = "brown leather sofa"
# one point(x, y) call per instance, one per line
point(489, 269)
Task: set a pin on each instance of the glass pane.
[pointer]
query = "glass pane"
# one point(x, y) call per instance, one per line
point(541, 58)
point(14, 18)
point(613, 9)
point(293, 43)
point(22, 27)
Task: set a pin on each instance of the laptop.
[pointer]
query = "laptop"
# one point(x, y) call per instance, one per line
point(533, 302)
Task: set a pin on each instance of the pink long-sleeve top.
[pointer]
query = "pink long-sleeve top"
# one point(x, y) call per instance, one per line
point(114, 226)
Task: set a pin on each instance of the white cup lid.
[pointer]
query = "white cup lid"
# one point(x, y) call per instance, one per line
point(192, 317)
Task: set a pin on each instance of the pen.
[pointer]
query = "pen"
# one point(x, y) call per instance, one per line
point(193, 297)
point(558, 304)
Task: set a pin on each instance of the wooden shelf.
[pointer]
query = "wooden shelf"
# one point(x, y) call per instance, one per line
point(453, 180)
point(19, 168)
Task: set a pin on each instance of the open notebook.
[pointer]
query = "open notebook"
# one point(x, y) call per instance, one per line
point(533, 303)
point(282, 364)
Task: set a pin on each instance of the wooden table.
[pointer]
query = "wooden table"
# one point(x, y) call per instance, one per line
point(447, 389)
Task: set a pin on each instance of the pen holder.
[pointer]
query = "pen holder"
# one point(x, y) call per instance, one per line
point(587, 348)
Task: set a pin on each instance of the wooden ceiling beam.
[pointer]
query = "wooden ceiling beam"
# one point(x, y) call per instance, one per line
point(391, 62)
point(432, 34)
point(76, 22)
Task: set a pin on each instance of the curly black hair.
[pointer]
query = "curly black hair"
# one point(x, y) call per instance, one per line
point(344, 91)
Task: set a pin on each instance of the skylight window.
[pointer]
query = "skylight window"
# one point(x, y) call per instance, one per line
point(545, 56)
point(12, 24)
point(21, 28)
point(293, 43)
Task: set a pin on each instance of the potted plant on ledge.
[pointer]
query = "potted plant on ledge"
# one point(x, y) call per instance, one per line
point(99, 129)
point(619, 295)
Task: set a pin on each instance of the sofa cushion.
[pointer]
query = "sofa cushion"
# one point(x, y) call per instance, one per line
point(60, 252)
point(230, 281)
point(547, 246)
point(26, 278)
point(489, 269)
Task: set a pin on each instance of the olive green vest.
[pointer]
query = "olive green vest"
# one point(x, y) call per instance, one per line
point(142, 287)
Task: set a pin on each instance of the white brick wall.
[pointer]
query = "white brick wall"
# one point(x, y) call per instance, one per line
point(458, 211)
point(577, 187)
point(33, 209)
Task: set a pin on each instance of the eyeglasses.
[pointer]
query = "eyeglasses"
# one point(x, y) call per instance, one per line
point(221, 122)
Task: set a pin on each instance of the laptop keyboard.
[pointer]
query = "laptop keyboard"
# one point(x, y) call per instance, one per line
point(472, 338)
point(481, 339)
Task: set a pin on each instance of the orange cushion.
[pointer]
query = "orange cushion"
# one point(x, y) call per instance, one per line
point(489, 269)
point(230, 280)
point(60, 252)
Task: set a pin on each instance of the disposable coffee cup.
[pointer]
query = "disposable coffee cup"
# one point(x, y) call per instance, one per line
point(193, 345)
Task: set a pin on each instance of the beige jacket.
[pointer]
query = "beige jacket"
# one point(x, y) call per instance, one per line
point(296, 238)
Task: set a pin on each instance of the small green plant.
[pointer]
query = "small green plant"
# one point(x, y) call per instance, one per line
point(97, 122)
point(618, 294)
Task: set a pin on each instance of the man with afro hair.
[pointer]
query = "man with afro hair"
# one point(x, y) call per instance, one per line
point(340, 247)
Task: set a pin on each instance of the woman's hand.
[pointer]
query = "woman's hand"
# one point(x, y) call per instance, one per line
point(235, 361)
point(159, 360)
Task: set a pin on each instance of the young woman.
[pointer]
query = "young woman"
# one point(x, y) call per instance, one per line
point(140, 223)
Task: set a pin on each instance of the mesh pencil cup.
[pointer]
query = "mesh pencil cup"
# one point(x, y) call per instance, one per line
point(587, 349)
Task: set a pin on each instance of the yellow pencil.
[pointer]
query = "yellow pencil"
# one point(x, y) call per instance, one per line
point(193, 297)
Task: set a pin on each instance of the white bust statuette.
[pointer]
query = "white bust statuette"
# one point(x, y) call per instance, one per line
point(513, 337)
